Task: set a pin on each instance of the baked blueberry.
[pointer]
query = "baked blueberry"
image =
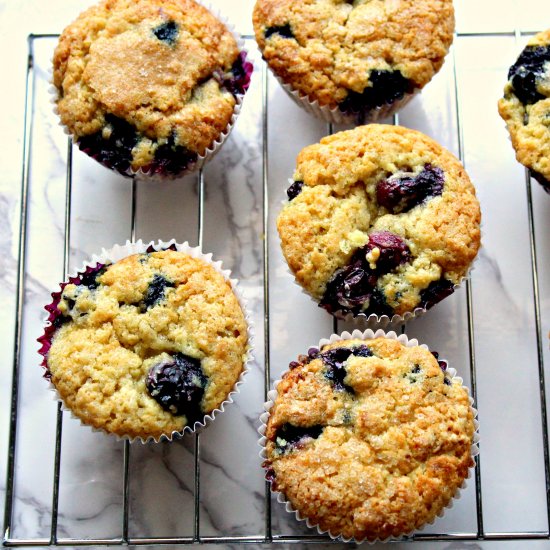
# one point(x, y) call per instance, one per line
point(391, 251)
point(178, 384)
point(282, 30)
point(527, 71)
point(386, 87)
point(238, 79)
point(172, 158)
point(335, 371)
point(294, 190)
point(436, 291)
point(289, 437)
point(167, 32)
point(156, 291)
point(112, 146)
point(89, 279)
point(400, 195)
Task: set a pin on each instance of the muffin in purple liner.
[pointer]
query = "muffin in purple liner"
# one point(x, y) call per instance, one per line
point(147, 346)
point(525, 107)
point(149, 86)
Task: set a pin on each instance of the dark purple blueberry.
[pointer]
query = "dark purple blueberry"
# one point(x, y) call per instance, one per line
point(312, 353)
point(442, 364)
point(167, 32)
point(386, 87)
point(289, 437)
point(238, 81)
point(447, 381)
point(156, 291)
point(436, 291)
point(416, 369)
point(60, 320)
point(282, 30)
point(116, 150)
point(527, 71)
point(541, 179)
point(89, 279)
point(171, 158)
point(412, 376)
point(269, 474)
point(335, 371)
point(178, 385)
point(399, 195)
point(362, 351)
point(393, 250)
point(294, 190)
point(354, 285)
point(151, 249)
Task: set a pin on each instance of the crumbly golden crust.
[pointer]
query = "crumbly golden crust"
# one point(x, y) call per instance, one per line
point(109, 62)
point(390, 455)
point(100, 359)
point(529, 125)
point(337, 43)
point(337, 210)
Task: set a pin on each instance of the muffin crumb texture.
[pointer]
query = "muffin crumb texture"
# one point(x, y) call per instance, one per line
point(147, 345)
point(369, 439)
point(380, 220)
point(147, 84)
point(525, 107)
point(357, 54)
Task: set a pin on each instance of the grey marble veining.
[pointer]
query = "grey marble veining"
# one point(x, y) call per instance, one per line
point(161, 495)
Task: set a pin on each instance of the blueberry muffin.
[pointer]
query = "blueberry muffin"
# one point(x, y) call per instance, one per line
point(148, 85)
point(145, 346)
point(379, 220)
point(369, 439)
point(525, 107)
point(358, 58)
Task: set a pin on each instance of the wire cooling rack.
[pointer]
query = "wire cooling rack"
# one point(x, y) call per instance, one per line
point(270, 534)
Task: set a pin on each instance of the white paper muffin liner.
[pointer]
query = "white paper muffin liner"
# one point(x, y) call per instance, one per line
point(366, 335)
point(211, 151)
point(335, 115)
point(373, 320)
point(117, 253)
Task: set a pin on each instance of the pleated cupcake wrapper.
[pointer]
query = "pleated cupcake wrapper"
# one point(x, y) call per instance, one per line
point(118, 252)
point(365, 335)
point(373, 320)
point(335, 115)
point(215, 146)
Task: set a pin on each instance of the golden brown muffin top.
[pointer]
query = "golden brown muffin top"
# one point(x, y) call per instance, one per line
point(328, 48)
point(141, 314)
point(369, 438)
point(370, 184)
point(157, 65)
point(526, 104)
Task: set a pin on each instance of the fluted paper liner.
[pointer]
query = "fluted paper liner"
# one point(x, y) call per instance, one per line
point(118, 252)
point(212, 150)
point(366, 335)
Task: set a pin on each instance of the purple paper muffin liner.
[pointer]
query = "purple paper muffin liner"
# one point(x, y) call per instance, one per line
point(95, 265)
point(174, 164)
point(365, 335)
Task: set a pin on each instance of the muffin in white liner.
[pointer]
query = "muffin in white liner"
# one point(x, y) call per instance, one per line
point(381, 223)
point(147, 340)
point(353, 62)
point(369, 436)
point(150, 87)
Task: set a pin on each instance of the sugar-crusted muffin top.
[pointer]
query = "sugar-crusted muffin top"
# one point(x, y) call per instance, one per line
point(346, 54)
point(526, 104)
point(156, 74)
point(369, 438)
point(380, 219)
point(147, 345)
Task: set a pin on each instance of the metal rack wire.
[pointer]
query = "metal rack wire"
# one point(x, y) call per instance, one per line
point(269, 536)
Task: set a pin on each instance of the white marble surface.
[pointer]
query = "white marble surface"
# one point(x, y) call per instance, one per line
point(161, 488)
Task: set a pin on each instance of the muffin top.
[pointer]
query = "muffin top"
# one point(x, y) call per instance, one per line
point(369, 438)
point(526, 104)
point(147, 345)
point(380, 219)
point(159, 75)
point(348, 54)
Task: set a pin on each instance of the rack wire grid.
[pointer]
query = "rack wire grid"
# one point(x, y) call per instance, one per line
point(489, 510)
